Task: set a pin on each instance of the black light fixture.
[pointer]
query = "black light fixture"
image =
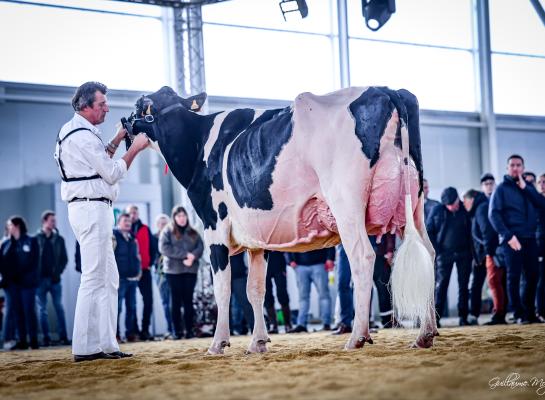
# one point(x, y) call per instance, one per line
point(301, 7)
point(377, 12)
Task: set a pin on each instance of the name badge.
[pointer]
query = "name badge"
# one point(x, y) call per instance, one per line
point(26, 248)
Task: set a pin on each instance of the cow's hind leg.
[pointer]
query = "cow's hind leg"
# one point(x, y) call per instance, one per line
point(222, 293)
point(255, 288)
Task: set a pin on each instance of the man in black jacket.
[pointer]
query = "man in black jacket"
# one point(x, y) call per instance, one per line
point(449, 230)
point(52, 261)
point(485, 242)
point(429, 204)
point(513, 215)
point(313, 266)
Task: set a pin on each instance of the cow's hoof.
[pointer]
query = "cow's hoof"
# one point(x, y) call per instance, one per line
point(215, 349)
point(259, 346)
point(362, 340)
point(424, 341)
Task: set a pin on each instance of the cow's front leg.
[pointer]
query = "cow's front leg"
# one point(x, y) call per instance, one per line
point(362, 259)
point(222, 293)
point(256, 295)
point(428, 328)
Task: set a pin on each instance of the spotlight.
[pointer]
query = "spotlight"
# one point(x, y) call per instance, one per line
point(301, 7)
point(377, 12)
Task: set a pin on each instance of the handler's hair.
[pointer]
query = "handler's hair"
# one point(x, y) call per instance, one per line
point(85, 95)
point(19, 222)
point(192, 233)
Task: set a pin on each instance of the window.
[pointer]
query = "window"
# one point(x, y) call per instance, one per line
point(441, 79)
point(243, 62)
point(68, 47)
point(518, 58)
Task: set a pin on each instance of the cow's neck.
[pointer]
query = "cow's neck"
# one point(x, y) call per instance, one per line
point(182, 141)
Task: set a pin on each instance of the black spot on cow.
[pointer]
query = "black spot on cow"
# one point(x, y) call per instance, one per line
point(415, 147)
point(222, 210)
point(371, 112)
point(219, 257)
point(252, 158)
point(235, 122)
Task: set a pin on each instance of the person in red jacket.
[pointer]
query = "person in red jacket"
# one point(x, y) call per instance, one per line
point(147, 250)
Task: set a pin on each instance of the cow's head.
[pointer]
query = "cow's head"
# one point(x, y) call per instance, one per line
point(151, 108)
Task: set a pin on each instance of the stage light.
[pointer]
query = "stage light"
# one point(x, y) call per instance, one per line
point(301, 7)
point(377, 12)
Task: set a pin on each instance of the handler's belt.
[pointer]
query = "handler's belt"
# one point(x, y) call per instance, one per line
point(103, 199)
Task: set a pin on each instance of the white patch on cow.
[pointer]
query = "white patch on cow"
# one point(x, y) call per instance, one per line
point(214, 132)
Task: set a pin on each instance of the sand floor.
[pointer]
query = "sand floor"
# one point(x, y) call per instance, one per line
point(304, 366)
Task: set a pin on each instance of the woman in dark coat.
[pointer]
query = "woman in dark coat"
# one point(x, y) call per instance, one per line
point(181, 247)
point(20, 278)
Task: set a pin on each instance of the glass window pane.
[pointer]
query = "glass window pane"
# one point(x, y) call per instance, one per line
point(441, 79)
point(435, 22)
point(266, 14)
point(518, 84)
point(243, 62)
point(515, 27)
point(106, 5)
point(68, 47)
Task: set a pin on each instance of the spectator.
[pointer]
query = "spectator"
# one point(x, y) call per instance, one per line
point(52, 261)
point(344, 290)
point(429, 204)
point(276, 269)
point(181, 247)
point(381, 276)
point(449, 230)
point(19, 266)
point(313, 266)
point(6, 283)
point(147, 251)
point(485, 242)
point(488, 184)
point(529, 177)
point(128, 265)
point(513, 215)
point(239, 279)
point(540, 236)
point(161, 221)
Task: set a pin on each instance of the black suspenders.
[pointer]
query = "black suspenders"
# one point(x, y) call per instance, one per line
point(59, 162)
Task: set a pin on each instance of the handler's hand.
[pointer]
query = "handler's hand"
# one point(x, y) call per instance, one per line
point(120, 131)
point(329, 265)
point(514, 243)
point(188, 261)
point(389, 258)
point(521, 182)
point(293, 264)
point(140, 142)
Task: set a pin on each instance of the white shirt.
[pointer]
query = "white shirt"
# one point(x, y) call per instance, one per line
point(83, 154)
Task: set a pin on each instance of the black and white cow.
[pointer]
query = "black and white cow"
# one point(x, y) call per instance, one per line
point(325, 169)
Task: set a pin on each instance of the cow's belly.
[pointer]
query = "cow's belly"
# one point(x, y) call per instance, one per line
point(386, 206)
point(299, 224)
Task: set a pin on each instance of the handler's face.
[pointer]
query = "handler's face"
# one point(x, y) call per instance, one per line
point(99, 109)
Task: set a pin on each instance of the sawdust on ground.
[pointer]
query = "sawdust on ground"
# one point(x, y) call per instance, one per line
point(462, 364)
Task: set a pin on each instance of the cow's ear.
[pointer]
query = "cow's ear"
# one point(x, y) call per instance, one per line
point(195, 103)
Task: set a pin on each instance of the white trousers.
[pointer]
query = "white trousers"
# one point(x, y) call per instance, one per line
point(95, 321)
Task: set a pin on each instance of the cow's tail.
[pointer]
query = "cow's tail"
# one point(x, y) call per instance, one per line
point(413, 271)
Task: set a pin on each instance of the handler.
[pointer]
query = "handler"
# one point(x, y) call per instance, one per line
point(90, 184)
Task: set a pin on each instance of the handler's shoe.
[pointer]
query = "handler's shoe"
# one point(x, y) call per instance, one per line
point(96, 356)
point(120, 354)
point(298, 329)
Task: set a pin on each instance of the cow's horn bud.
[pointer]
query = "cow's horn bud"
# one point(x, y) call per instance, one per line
point(148, 111)
point(194, 105)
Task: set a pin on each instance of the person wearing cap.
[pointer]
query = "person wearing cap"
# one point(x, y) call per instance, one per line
point(449, 230)
point(488, 184)
point(89, 185)
point(513, 214)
